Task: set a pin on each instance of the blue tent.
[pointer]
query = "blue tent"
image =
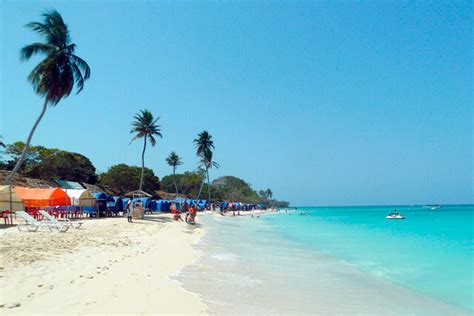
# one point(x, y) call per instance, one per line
point(148, 203)
point(101, 202)
point(152, 205)
point(165, 205)
point(100, 196)
point(115, 204)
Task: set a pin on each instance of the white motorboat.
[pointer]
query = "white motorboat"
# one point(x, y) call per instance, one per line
point(432, 207)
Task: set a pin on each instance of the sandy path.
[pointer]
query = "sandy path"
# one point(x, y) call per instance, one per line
point(108, 266)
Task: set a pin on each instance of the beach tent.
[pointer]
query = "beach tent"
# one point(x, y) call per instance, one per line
point(9, 200)
point(152, 205)
point(81, 197)
point(115, 204)
point(159, 205)
point(42, 197)
point(100, 196)
point(163, 205)
point(101, 199)
point(146, 202)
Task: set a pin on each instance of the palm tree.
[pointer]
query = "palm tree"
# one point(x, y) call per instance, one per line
point(207, 163)
point(269, 193)
point(174, 160)
point(203, 142)
point(56, 75)
point(144, 125)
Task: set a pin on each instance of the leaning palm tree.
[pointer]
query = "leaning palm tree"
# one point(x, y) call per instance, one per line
point(174, 160)
point(55, 76)
point(144, 125)
point(207, 163)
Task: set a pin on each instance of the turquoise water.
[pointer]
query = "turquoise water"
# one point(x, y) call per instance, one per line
point(430, 251)
point(339, 260)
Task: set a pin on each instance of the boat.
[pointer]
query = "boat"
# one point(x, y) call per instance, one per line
point(395, 215)
point(432, 207)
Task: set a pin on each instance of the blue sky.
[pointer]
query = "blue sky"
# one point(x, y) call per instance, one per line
point(327, 103)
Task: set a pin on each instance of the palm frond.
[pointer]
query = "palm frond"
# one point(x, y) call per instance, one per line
point(79, 62)
point(78, 77)
point(35, 48)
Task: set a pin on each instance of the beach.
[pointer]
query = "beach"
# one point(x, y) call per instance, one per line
point(276, 263)
point(106, 266)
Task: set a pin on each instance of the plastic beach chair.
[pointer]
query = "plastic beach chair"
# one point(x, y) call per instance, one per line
point(64, 221)
point(33, 225)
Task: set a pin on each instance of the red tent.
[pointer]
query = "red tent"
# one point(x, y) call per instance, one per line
point(42, 197)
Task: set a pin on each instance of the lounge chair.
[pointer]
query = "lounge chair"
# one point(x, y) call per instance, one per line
point(66, 221)
point(33, 225)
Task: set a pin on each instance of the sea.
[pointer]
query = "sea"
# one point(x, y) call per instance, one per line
point(337, 261)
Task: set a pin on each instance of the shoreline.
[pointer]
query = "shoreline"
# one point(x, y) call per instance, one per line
point(320, 283)
point(108, 266)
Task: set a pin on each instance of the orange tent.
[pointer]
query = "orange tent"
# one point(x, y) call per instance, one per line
point(42, 197)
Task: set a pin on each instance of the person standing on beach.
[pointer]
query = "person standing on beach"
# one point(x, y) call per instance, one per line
point(129, 210)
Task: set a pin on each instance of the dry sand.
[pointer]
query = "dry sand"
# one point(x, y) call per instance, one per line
point(107, 266)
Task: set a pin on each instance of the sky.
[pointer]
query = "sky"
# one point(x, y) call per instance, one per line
point(324, 102)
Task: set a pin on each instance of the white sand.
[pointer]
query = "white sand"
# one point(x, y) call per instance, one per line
point(107, 266)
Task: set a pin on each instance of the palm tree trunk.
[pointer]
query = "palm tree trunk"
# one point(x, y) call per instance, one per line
point(27, 144)
point(143, 162)
point(202, 184)
point(174, 180)
point(208, 187)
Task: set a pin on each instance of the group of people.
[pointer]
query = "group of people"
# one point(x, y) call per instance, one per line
point(190, 215)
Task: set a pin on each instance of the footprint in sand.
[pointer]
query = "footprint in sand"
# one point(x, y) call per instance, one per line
point(31, 294)
point(89, 277)
point(40, 285)
point(10, 305)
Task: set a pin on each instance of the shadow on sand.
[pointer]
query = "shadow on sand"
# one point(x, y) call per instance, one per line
point(158, 219)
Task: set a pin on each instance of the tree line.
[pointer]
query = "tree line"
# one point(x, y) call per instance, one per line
point(54, 78)
point(52, 164)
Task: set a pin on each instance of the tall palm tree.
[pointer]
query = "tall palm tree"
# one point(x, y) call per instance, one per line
point(144, 125)
point(207, 163)
point(174, 160)
point(56, 75)
point(203, 142)
point(269, 193)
